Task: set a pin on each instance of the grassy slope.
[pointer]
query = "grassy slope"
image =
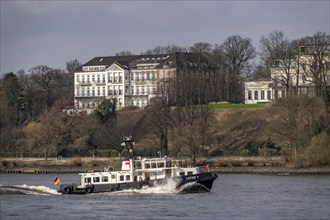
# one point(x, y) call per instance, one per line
point(238, 106)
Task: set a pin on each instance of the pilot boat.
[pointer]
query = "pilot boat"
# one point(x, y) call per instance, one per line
point(138, 172)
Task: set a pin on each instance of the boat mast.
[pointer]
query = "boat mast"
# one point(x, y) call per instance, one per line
point(129, 143)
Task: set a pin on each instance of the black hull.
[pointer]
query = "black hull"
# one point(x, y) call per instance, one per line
point(196, 183)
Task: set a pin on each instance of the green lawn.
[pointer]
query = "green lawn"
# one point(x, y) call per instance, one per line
point(238, 106)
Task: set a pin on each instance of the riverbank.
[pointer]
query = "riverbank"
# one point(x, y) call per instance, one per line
point(257, 165)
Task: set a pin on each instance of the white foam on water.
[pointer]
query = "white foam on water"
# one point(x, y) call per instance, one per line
point(170, 187)
point(28, 190)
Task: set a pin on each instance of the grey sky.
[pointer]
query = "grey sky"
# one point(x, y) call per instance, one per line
point(54, 32)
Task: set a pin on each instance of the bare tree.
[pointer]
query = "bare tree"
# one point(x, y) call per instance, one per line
point(124, 53)
point(68, 78)
point(160, 120)
point(44, 136)
point(316, 64)
point(296, 121)
point(202, 48)
point(165, 50)
point(281, 53)
point(238, 54)
point(193, 123)
point(46, 80)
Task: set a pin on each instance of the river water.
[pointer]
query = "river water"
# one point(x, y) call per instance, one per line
point(233, 196)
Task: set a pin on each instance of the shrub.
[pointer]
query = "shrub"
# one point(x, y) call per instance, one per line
point(245, 152)
point(318, 152)
point(75, 161)
point(5, 163)
point(216, 153)
point(268, 152)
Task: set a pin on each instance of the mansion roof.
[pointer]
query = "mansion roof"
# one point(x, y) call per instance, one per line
point(174, 60)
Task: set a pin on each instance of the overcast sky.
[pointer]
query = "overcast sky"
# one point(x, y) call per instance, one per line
point(54, 32)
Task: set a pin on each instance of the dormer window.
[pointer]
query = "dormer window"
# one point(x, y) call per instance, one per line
point(276, 63)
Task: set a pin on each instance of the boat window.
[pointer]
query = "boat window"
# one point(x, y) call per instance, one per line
point(96, 179)
point(88, 180)
point(190, 173)
point(128, 177)
point(147, 166)
point(160, 165)
point(181, 173)
point(121, 178)
point(105, 179)
point(153, 165)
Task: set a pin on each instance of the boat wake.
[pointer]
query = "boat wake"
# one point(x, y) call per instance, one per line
point(26, 190)
point(170, 187)
point(167, 188)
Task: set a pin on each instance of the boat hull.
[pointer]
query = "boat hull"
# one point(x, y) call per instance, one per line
point(195, 183)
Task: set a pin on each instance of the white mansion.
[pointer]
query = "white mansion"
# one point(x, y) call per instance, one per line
point(132, 80)
point(287, 75)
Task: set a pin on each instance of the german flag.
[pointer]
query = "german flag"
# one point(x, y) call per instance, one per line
point(56, 181)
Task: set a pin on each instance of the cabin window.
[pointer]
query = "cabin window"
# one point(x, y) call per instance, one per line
point(181, 173)
point(88, 180)
point(137, 164)
point(105, 179)
point(121, 178)
point(96, 179)
point(128, 177)
point(190, 173)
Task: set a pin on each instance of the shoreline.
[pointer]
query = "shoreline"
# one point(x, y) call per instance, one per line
point(221, 165)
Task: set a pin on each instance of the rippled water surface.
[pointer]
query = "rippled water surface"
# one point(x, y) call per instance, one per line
point(234, 196)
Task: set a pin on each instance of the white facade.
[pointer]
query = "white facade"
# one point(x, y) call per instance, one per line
point(143, 85)
point(282, 81)
point(134, 84)
point(258, 91)
point(96, 83)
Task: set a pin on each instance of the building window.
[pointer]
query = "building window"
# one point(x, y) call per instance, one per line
point(268, 95)
point(103, 91)
point(88, 79)
point(93, 78)
point(262, 95)
point(249, 95)
point(256, 94)
point(277, 63)
point(98, 91)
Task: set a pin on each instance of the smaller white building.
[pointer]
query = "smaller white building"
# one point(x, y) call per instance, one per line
point(258, 91)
